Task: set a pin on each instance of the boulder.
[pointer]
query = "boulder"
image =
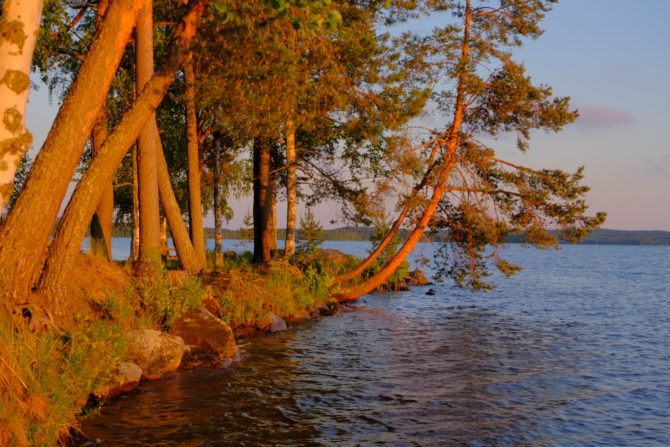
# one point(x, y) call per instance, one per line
point(272, 323)
point(320, 309)
point(156, 352)
point(126, 378)
point(198, 327)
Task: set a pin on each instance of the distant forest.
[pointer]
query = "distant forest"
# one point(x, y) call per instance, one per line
point(598, 237)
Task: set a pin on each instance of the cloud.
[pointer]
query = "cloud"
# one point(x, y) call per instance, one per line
point(657, 168)
point(602, 117)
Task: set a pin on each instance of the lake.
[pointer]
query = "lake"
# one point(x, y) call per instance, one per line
point(572, 351)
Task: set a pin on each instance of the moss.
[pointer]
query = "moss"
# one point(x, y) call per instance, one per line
point(12, 119)
point(13, 32)
point(16, 146)
point(16, 80)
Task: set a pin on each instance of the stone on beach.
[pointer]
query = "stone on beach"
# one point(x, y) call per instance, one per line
point(272, 323)
point(201, 328)
point(156, 352)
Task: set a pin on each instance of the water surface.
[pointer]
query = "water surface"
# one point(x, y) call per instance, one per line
point(573, 351)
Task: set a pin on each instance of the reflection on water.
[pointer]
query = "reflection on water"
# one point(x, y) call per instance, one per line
point(571, 360)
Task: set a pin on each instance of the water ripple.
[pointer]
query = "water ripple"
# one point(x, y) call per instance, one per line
point(572, 352)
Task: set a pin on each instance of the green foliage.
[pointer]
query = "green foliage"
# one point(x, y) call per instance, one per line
point(486, 198)
point(249, 294)
point(397, 278)
point(247, 232)
point(163, 303)
point(310, 234)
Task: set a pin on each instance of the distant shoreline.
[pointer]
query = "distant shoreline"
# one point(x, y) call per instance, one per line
point(598, 237)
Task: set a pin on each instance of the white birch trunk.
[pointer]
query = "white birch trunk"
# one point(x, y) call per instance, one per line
point(18, 33)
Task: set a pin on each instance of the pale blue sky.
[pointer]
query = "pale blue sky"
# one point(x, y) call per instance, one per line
point(612, 57)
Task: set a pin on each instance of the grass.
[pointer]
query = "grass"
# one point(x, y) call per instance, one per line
point(46, 375)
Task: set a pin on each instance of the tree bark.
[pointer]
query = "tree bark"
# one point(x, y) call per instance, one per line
point(218, 218)
point(262, 201)
point(19, 27)
point(25, 234)
point(188, 257)
point(360, 268)
point(102, 222)
point(194, 194)
point(147, 144)
point(273, 213)
point(135, 253)
point(452, 143)
point(291, 189)
point(65, 246)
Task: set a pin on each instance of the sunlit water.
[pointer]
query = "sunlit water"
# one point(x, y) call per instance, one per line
point(573, 351)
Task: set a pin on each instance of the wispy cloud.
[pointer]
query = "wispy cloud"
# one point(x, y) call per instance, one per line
point(602, 117)
point(658, 168)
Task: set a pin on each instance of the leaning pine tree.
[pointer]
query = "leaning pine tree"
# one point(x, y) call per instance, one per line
point(466, 189)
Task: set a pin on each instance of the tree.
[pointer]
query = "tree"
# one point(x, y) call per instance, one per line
point(147, 144)
point(477, 197)
point(311, 233)
point(25, 234)
point(19, 26)
point(194, 187)
point(72, 227)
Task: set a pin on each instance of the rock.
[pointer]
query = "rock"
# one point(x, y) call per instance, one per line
point(198, 327)
point(431, 292)
point(416, 278)
point(320, 309)
point(272, 323)
point(126, 378)
point(302, 315)
point(156, 352)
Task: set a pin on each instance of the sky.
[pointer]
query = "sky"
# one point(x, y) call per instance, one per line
point(612, 57)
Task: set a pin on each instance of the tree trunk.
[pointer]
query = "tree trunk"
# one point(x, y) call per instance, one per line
point(102, 222)
point(165, 247)
point(147, 144)
point(20, 24)
point(188, 258)
point(273, 214)
point(135, 253)
point(25, 234)
point(65, 246)
point(194, 194)
point(452, 143)
point(262, 201)
point(360, 268)
point(291, 189)
point(218, 218)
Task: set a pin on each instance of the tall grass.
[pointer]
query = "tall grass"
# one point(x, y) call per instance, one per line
point(46, 377)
